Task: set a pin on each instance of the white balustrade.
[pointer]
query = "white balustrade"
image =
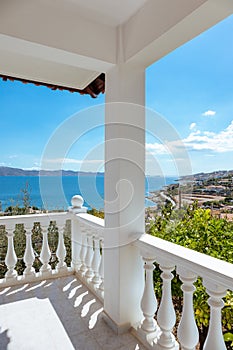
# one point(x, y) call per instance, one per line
point(11, 258)
point(45, 254)
point(187, 330)
point(88, 263)
point(96, 262)
point(217, 276)
point(149, 301)
point(83, 254)
point(87, 242)
point(166, 316)
point(214, 340)
point(101, 270)
point(89, 256)
point(29, 273)
point(29, 256)
point(61, 249)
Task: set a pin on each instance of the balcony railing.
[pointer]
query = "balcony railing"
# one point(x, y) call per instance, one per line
point(87, 262)
point(217, 278)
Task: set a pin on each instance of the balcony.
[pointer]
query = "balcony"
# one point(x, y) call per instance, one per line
point(64, 306)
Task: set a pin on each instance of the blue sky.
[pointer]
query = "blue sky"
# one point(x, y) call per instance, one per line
point(191, 89)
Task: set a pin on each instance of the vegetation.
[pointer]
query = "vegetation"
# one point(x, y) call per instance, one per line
point(197, 229)
point(95, 212)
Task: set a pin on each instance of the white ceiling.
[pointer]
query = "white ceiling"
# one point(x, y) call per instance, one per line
point(112, 13)
point(70, 42)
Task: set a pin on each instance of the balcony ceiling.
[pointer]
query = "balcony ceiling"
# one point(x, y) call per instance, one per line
point(70, 42)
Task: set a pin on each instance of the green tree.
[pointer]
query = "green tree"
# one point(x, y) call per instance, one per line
point(197, 229)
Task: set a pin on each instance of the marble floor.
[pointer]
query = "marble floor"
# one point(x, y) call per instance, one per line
point(58, 314)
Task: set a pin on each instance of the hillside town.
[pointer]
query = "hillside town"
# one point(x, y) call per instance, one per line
point(210, 190)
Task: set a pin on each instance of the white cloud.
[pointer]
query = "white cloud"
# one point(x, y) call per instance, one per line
point(197, 140)
point(156, 148)
point(217, 142)
point(192, 126)
point(209, 113)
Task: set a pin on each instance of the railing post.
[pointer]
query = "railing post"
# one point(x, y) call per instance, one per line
point(76, 236)
point(166, 316)
point(187, 333)
point(61, 249)
point(29, 256)
point(214, 340)
point(83, 253)
point(89, 255)
point(101, 271)
point(45, 254)
point(149, 301)
point(11, 258)
point(96, 262)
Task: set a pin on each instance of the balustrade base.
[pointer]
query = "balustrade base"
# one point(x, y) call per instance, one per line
point(175, 346)
point(149, 340)
point(93, 288)
point(62, 270)
point(117, 329)
point(10, 282)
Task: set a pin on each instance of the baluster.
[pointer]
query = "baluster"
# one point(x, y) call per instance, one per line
point(187, 333)
point(83, 252)
point(214, 340)
point(29, 256)
point(101, 270)
point(166, 316)
point(96, 262)
point(11, 258)
point(61, 249)
point(89, 256)
point(149, 301)
point(76, 241)
point(45, 254)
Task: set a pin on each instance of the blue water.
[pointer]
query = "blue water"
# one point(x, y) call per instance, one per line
point(54, 193)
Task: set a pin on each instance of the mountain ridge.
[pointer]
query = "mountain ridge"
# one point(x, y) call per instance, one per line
point(9, 171)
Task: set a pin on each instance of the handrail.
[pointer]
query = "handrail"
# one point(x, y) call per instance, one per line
point(202, 264)
point(22, 219)
point(217, 278)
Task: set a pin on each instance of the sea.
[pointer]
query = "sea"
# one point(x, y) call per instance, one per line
point(55, 193)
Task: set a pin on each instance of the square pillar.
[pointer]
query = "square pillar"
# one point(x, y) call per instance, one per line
point(124, 194)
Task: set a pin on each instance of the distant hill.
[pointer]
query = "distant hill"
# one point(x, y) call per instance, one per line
point(8, 171)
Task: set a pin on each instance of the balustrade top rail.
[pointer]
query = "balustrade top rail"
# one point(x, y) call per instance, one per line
point(31, 218)
point(91, 221)
point(203, 265)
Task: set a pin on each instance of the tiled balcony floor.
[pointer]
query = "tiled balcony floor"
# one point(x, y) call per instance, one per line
point(56, 314)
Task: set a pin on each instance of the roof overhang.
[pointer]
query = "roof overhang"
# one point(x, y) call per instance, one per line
point(68, 43)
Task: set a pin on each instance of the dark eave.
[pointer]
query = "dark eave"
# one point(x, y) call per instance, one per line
point(96, 87)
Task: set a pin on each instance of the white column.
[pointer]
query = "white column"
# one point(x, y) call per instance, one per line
point(89, 255)
point(214, 340)
point(76, 236)
point(187, 333)
point(11, 258)
point(149, 302)
point(166, 316)
point(45, 253)
point(61, 248)
point(83, 252)
point(96, 262)
point(101, 271)
point(29, 256)
point(124, 193)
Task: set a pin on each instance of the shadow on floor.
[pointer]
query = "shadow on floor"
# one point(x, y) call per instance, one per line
point(4, 339)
